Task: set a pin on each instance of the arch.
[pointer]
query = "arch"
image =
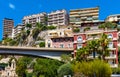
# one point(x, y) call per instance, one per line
point(110, 36)
point(79, 39)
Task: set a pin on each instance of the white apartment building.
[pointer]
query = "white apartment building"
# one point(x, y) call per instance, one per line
point(32, 19)
point(113, 18)
point(58, 18)
point(17, 30)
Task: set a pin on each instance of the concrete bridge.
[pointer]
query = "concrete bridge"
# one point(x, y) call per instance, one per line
point(53, 53)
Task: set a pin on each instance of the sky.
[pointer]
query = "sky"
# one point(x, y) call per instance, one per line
point(16, 9)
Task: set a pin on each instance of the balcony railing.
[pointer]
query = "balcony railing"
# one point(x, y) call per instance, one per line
point(82, 41)
point(114, 65)
point(111, 57)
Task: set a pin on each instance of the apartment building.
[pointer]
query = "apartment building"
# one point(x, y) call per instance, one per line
point(33, 19)
point(60, 38)
point(17, 29)
point(91, 25)
point(81, 39)
point(113, 18)
point(58, 18)
point(78, 16)
point(8, 25)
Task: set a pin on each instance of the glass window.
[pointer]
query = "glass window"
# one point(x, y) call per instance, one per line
point(109, 35)
point(79, 39)
point(69, 45)
point(61, 46)
point(79, 46)
point(110, 45)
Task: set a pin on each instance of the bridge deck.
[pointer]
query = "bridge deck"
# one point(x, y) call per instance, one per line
point(35, 48)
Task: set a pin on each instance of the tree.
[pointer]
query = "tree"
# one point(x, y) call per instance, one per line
point(65, 69)
point(28, 25)
point(66, 58)
point(42, 44)
point(37, 30)
point(96, 68)
point(93, 46)
point(82, 53)
point(76, 30)
point(46, 67)
point(22, 64)
point(103, 49)
point(108, 25)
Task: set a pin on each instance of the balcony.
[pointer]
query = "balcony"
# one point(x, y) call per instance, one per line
point(82, 41)
point(115, 39)
point(113, 56)
point(114, 65)
point(91, 55)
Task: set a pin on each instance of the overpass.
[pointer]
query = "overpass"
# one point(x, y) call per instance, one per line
point(53, 53)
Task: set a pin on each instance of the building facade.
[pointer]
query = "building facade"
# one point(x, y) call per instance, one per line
point(113, 18)
point(60, 38)
point(17, 29)
point(58, 18)
point(8, 25)
point(10, 70)
point(33, 19)
point(80, 40)
point(79, 16)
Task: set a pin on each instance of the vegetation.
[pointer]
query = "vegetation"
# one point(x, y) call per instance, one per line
point(65, 69)
point(42, 44)
point(51, 27)
point(46, 68)
point(94, 68)
point(21, 66)
point(87, 28)
point(66, 58)
point(108, 25)
point(76, 30)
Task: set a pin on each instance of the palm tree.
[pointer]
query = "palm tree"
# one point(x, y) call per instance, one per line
point(103, 49)
point(37, 30)
point(93, 46)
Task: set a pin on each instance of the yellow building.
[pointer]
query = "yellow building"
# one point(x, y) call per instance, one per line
point(78, 16)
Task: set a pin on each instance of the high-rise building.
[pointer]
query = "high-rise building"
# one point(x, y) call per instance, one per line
point(33, 19)
point(79, 16)
point(58, 18)
point(8, 25)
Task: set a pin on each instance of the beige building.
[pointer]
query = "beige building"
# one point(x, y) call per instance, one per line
point(59, 17)
point(8, 25)
point(32, 19)
point(84, 15)
point(10, 70)
point(113, 18)
point(58, 33)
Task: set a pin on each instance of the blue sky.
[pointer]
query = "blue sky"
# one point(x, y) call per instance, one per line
point(16, 9)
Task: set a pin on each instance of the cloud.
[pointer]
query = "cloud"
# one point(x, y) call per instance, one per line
point(11, 6)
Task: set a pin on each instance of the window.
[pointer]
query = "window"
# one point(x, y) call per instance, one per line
point(79, 39)
point(110, 36)
point(61, 46)
point(69, 45)
point(79, 46)
point(110, 45)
